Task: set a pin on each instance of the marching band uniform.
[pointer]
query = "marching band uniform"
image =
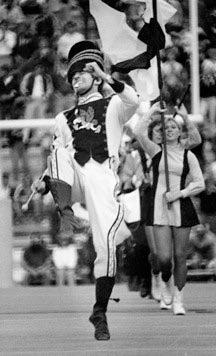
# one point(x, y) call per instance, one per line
point(83, 168)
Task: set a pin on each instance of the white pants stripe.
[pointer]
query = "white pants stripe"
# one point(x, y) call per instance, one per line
point(95, 185)
point(111, 244)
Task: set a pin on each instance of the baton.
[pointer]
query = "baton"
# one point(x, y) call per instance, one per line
point(25, 206)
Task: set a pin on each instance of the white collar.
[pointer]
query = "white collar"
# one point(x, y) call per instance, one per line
point(90, 97)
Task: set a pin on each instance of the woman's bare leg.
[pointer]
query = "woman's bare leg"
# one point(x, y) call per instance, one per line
point(153, 250)
point(163, 240)
point(180, 244)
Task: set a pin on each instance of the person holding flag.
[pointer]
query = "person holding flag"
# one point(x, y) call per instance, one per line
point(190, 138)
point(171, 213)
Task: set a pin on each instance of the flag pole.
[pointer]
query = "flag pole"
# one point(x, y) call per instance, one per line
point(160, 86)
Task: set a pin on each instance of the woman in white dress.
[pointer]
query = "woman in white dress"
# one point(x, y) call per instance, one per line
point(172, 213)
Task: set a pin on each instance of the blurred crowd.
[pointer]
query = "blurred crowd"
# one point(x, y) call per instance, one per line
point(35, 38)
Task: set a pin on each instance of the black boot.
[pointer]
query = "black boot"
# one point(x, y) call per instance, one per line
point(145, 288)
point(61, 192)
point(104, 287)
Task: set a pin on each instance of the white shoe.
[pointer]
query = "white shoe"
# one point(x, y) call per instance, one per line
point(178, 308)
point(156, 287)
point(164, 306)
point(166, 291)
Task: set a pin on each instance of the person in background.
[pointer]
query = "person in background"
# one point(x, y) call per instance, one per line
point(69, 37)
point(37, 87)
point(202, 247)
point(26, 44)
point(208, 196)
point(7, 43)
point(208, 91)
point(37, 262)
point(65, 258)
point(5, 188)
point(132, 176)
point(174, 77)
point(63, 96)
point(11, 11)
point(9, 90)
point(18, 148)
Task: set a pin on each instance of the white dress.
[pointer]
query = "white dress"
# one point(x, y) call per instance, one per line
point(185, 175)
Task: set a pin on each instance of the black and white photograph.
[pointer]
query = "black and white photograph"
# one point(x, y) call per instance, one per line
point(108, 177)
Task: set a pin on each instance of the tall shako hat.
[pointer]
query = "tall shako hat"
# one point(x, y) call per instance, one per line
point(81, 53)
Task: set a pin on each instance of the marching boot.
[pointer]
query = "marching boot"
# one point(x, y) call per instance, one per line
point(145, 288)
point(178, 307)
point(61, 192)
point(166, 294)
point(156, 287)
point(104, 287)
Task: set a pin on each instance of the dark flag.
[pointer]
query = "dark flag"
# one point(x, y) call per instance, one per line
point(152, 35)
point(129, 51)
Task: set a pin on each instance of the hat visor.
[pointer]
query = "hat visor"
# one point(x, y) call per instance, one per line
point(79, 67)
point(76, 67)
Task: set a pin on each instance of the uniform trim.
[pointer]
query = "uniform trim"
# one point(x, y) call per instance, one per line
point(114, 247)
point(91, 54)
point(51, 169)
point(155, 164)
point(187, 211)
point(56, 160)
point(111, 264)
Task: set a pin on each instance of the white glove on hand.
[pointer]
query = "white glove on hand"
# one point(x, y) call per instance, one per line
point(39, 186)
point(173, 195)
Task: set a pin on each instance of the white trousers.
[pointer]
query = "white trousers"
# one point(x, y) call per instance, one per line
point(95, 184)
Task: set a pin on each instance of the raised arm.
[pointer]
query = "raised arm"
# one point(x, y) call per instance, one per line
point(140, 131)
point(129, 101)
point(193, 138)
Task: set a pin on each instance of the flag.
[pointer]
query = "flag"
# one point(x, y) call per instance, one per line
point(121, 43)
point(152, 35)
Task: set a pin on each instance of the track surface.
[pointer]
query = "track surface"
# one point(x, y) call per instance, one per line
point(54, 321)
